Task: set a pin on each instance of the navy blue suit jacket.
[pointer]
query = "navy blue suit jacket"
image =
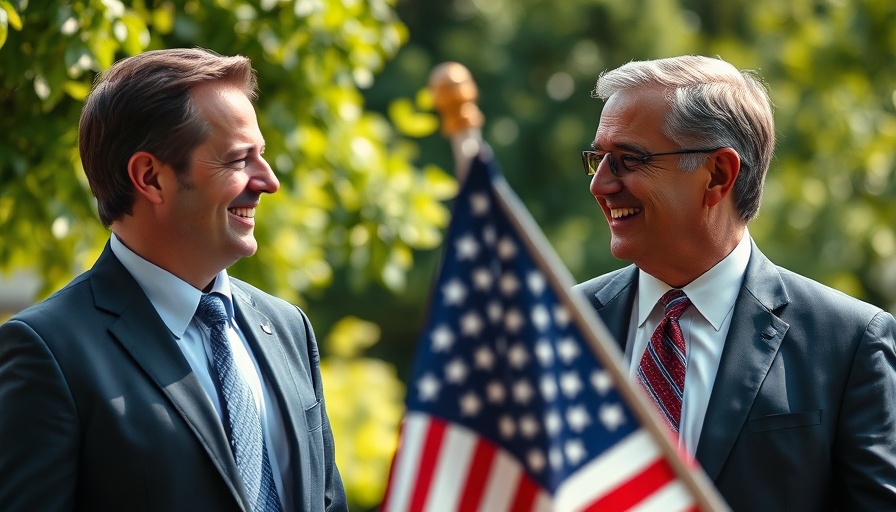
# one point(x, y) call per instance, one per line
point(99, 409)
point(802, 415)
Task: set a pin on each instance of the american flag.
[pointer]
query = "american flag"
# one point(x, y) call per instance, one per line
point(508, 409)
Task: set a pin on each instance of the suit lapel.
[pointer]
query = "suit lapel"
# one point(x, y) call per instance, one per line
point(614, 302)
point(140, 330)
point(280, 368)
point(753, 341)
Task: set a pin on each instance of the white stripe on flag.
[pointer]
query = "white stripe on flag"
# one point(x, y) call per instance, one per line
point(502, 483)
point(451, 469)
point(673, 497)
point(407, 461)
point(616, 466)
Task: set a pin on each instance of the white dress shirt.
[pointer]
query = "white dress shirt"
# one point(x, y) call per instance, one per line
point(176, 301)
point(705, 326)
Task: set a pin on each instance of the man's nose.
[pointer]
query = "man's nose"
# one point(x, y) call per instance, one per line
point(264, 179)
point(604, 182)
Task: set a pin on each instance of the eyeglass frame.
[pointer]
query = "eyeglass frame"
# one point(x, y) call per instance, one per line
point(643, 158)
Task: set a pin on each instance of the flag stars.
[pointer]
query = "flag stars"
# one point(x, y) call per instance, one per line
point(471, 324)
point(522, 391)
point(601, 381)
point(544, 352)
point(518, 356)
point(482, 279)
point(553, 422)
point(489, 235)
point(484, 358)
point(506, 248)
point(535, 281)
point(555, 457)
point(577, 418)
point(561, 316)
point(575, 451)
point(495, 311)
point(612, 416)
point(571, 384)
point(453, 293)
point(509, 284)
point(506, 427)
point(536, 460)
point(456, 371)
point(514, 321)
point(568, 350)
point(470, 404)
point(479, 204)
point(428, 388)
point(541, 318)
point(495, 392)
point(442, 338)
point(467, 248)
point(529, 427)
point(548, 386)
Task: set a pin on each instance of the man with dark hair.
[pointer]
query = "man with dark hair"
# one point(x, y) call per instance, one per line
point(782, 389)
point(155, 381)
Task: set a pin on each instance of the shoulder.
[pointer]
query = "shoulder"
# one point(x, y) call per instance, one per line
point(605, 287)
point(810, 297)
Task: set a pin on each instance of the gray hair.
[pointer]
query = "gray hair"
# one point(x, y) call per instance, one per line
point(713, 105)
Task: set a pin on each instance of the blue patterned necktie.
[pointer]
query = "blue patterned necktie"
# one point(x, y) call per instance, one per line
point(246, 438)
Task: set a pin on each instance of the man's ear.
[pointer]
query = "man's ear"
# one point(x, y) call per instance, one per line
point(144, 169)
point(723, 173)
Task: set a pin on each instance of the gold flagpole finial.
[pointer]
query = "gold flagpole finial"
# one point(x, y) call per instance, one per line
point(455, 94)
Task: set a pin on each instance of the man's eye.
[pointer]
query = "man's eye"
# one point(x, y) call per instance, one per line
point(631, 160)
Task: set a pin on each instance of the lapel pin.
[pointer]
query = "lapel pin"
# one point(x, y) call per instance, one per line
point(266, 328)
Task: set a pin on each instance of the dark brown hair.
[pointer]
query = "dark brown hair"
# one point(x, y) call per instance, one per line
point(143, 103)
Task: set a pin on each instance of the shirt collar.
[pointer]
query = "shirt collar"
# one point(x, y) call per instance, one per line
point(713, 294)
point(174, 299)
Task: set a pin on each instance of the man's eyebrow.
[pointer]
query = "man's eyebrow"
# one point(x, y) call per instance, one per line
point(240, 151)
point(628, 147)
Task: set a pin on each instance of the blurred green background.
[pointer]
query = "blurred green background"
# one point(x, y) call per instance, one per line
point(354, 234)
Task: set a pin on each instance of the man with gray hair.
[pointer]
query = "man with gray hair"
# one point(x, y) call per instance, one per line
point(782, 389)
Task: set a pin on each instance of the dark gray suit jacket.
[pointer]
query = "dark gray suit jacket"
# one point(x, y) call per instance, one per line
point(802, 414)
point(100, 411)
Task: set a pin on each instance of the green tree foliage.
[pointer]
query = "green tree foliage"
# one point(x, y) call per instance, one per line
point(352, 201)
point(828, 210)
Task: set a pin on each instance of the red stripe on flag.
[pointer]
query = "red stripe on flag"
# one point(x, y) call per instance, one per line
point(477, 477)
point(428, 459)
point(526, 491)
point(635, 490)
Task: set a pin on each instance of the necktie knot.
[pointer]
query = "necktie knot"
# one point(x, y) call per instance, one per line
point(674, 303)
point(211, 310)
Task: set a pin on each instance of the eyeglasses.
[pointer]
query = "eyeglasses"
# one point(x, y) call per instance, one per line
point(628, 162)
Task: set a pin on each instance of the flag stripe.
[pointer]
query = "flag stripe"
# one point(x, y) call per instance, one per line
point(673, 497)
point(404, 467)
point(526, 492)
point(480, 468)
point(633, 491)
point(435, 432)
point(454, 460)
point(501, 483)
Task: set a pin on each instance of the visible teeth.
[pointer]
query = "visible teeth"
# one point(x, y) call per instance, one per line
point(623, 212)
point(248, 213)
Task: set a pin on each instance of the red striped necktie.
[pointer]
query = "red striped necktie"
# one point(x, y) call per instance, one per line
point(663, 366)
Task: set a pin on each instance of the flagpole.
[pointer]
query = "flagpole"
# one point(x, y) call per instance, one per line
point(455, 94)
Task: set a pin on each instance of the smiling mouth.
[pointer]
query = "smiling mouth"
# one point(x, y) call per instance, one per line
point(618, 213)
point(246, 213)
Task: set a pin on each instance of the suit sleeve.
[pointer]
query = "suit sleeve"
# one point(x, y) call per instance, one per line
point(865, 444)
point(334, 493)
point(38, 425)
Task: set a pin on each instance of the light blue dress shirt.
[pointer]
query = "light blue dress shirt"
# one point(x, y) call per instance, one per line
point(176, 301)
